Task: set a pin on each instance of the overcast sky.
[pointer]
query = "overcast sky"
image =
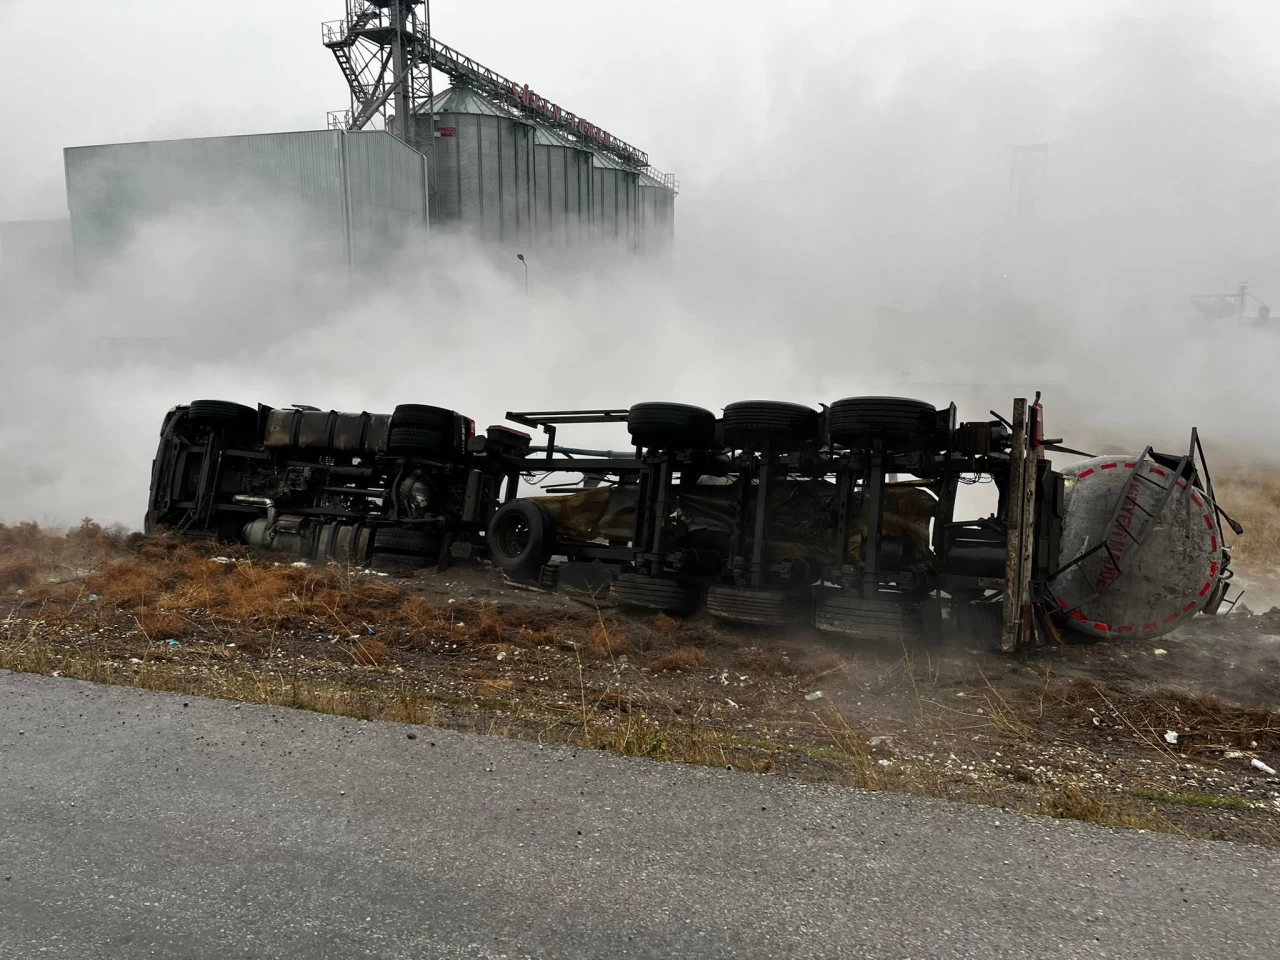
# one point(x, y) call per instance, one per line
point(837, 161)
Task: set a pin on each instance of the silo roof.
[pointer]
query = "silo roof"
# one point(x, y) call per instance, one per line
point(463, 100)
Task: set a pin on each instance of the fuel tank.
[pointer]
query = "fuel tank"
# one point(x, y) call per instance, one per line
point(1159, 564)
point(327, 430)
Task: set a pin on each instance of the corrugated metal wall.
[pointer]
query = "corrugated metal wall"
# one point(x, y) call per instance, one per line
point(387, 193)
point(350, 193)
point(484, 182)
point(616, 214)
point(657, 214)
point(559, 194)
point(562, 194)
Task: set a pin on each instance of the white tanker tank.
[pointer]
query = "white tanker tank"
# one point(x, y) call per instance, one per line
point(1161, 556)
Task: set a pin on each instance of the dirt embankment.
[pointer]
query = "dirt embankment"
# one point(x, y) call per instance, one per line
point(1163, 737)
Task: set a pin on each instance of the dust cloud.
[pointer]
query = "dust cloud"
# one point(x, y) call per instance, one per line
point(845, 229)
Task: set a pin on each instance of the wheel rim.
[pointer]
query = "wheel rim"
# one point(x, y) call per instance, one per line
point(513, 537)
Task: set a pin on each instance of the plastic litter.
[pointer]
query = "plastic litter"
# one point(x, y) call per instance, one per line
point(93, 596)
point(58, 673)
point(1159, 651)
point(816, 695)
point(1171, 736)
point(502, 655)
point(173, 643)
point(1259, 765)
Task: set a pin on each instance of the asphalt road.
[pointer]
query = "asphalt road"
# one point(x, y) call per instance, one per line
point(137, 824)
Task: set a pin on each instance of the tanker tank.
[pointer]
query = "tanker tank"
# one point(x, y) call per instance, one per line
point(1160, 564)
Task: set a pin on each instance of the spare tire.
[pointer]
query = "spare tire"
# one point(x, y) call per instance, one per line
point(898, 421)
point(750, 423)
point(521, 539)
point(676, 425)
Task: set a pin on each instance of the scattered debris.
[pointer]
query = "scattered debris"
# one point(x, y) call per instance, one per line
point(816, 695)
point(1171, 736)
point(1159, 651)
point(1259, 765)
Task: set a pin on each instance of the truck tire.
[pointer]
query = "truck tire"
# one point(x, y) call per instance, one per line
point(739, 605)
point(750, 423)
point(521, 539)
point(411, 440)
point(421, 429)
point(403, 540)
point(898, 421)
point(403, 551)
point(673, 425)
point(654, 593)
point(877, 619)
point(220, 413)
point(397, 564)
point(423, 417)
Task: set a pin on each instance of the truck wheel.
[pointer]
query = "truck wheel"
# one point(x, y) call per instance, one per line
point(397, 564)
point(418, 428)
point(674, 425)
point(402, 550)
point(411, 440)
point(219, 413)
point(749, 423)
point(858, 421)
point(877, 619)
point(423, 417)
point(521, 539)
point(654, 593)
point(403, 540)
point(738, 605)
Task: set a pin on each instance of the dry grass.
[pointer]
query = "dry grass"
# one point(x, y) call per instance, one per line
point(682, 658)
point(1072, 803)
point(1252, 496)
point(33, 557)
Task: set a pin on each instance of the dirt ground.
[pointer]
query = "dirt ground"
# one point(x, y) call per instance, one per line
point(1178, 735)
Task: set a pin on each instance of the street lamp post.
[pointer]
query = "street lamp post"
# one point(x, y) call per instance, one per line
point(520, 257)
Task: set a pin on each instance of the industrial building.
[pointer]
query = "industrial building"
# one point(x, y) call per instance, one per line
point(352, 196)
point(486, 157)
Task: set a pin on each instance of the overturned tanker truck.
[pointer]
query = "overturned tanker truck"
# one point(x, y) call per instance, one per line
point(771, 514)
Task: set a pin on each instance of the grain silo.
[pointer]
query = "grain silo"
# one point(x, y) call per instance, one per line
point(615, 210)
point(562, 190)
point(484, 180)
point(585, 185)
point(657, 209)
